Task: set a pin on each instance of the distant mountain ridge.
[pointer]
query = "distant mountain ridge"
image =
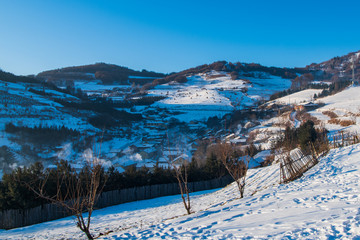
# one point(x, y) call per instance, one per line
point(107, 73)
point(110, 73)
point(333, 70)
point(336, 69)
point(339, 68)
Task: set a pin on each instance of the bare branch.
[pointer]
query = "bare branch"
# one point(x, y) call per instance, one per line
point(236, 167)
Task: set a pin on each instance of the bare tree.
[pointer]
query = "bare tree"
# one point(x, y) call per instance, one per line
point(76, 192)
point(237, 167)
point(181, 175)
point(182, 178)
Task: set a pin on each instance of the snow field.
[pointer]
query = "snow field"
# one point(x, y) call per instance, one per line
point(346, 105)
point(141, 214)
point(299, 97)
point(30, 109)
point(323, 204)
point(215, 94)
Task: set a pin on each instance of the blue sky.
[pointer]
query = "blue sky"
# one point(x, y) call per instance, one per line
point(169, 36)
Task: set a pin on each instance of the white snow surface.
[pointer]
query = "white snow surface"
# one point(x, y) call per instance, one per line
point(323, 204)
point(346, 104)
point(215, 94)
point(347, 100)
point(298, 97)
point(29, 109)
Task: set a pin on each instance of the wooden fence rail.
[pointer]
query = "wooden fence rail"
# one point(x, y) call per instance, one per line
point(14, 218)
point(343, 139)
point(294, 164)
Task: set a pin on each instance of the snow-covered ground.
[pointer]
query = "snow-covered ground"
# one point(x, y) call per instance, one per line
point(346, 105)
point(347, 101)
point(298, 97)
point(24, 108)
point(323, 204)
point(96, 86)
point(215, 94)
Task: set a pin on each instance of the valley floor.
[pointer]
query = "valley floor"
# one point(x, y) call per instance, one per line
point(323, 204)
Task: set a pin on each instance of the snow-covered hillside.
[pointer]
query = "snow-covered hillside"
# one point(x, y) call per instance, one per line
point(204, 95)
point(346, 105)
point(338, 113)
point(214, 93)
point(337, 68)
point(299, 97)
point(22, 107)
point(323, 204)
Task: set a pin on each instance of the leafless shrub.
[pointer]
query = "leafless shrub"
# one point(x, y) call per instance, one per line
point(216, 76)
point(282, 122)
point(201, 152)
point(346, 123)
point(334, 121)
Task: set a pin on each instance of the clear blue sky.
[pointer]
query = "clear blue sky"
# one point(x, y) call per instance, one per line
point(173, 35)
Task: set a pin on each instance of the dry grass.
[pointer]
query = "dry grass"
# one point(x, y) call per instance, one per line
point(330, 114)
point(215, 76)
point(252, 136)
point(284, 123)
point(343, 123)
point(305, 116)
point(268, 160)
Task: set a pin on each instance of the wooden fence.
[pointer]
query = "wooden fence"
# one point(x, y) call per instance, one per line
point(19, 218)
point(293, 164)
point(343, 139)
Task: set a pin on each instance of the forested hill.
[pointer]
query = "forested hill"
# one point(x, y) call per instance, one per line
point(236, 70)
point(107, 73)
point(9, 77)
point(337, 69)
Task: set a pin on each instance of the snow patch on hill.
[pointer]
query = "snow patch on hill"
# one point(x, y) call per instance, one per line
point(214, 94)
point(346, 101)
point(346, 105)
point(299, 97)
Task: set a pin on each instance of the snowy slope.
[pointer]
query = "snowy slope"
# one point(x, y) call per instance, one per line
point(323, 204)
point(299, 97)
point(346, 101)
point(201, 91)
point(214, 94)
point(346, 105)
point(24, 108)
